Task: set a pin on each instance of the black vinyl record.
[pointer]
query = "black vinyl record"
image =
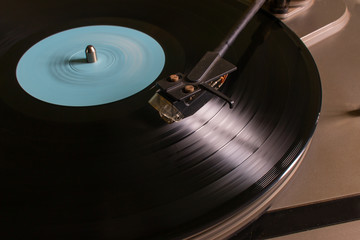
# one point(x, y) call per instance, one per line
point(117, 170)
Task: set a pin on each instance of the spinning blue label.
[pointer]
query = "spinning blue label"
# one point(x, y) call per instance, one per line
point(55, 70)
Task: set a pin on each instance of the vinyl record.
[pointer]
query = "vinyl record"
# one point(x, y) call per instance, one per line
point(115, 169)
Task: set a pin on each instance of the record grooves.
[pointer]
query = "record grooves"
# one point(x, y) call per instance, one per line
point(117, 171)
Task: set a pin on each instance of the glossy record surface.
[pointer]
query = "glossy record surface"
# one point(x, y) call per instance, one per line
point(117, 171)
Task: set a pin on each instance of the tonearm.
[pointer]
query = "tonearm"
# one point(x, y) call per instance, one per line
point(180, 95)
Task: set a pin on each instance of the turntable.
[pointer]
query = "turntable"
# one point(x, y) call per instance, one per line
point(85, 89)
